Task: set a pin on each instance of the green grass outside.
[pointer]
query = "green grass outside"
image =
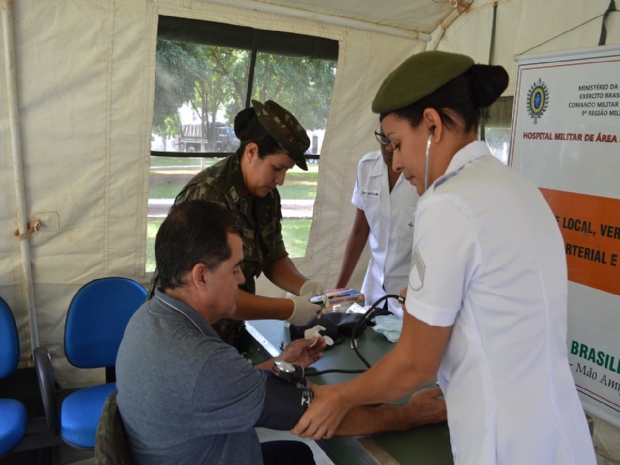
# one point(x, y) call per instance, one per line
point(300, 185)
point(295, 233)
point(166, 184)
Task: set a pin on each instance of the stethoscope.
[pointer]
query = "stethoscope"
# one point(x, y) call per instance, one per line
point(428, 151)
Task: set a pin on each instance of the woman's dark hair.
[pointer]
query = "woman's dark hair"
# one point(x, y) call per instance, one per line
point(248, 129)
point(266, 146)
point(194, 232)
point(463, 97)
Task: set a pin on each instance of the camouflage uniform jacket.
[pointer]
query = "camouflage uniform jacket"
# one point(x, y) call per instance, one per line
point(261, 219)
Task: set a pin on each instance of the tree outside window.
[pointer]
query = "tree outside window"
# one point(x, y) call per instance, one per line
point(202, 82)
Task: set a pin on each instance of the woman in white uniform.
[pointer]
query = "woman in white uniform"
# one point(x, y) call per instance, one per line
point(486, 299)
point(386, 204)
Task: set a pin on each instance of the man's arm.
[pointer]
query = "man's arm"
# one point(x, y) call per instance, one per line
point(302, 352)
point(286, 401)
point(355, 245)
point(424, 408)
point(412, 363)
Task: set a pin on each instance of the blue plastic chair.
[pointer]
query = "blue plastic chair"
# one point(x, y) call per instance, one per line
point(13, 415)
point(96, 321)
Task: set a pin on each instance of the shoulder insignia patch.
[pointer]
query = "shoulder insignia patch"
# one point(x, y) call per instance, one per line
point(233, 194)
point(416, 276)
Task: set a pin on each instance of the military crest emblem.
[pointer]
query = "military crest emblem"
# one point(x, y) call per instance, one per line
point(537, 100)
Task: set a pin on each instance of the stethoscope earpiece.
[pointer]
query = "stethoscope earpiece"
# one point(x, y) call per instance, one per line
point(428, 151)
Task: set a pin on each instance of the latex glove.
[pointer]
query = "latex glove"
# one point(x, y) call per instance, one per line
point(304, 310)
point(315, 288)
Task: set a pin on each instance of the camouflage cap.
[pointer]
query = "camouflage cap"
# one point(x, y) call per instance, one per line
point(418, 76)
point(285, 130)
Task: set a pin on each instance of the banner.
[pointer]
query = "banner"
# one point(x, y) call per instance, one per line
point(566, 139)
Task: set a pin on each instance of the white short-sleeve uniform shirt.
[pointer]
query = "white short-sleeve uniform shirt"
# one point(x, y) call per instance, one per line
point(489, 259)
point(390, 216)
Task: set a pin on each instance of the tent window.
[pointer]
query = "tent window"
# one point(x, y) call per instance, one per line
point(207, 72)
point(496, 126)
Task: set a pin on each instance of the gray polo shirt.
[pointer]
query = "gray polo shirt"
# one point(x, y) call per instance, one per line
point(184, 395)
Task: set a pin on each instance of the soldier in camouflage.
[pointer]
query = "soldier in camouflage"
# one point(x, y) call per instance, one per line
point(245, 183)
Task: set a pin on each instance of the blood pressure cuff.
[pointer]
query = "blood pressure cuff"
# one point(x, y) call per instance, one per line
point(337, 326)
point(285, 403)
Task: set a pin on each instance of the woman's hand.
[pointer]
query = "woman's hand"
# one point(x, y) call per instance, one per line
point(303, 352)
point(322, 418)
point(304, 310)
point(312, 287)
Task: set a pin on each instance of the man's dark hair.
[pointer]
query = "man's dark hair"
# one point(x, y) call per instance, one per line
point(194, 232)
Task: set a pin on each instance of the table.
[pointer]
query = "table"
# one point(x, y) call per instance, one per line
point(425, 445)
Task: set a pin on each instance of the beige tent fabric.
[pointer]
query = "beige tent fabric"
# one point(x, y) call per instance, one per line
point(61, 55)
point(416, 16)
point(525, 27)
point(363, 64)
point(541, 22)
point(85, 92)
point(470, 33)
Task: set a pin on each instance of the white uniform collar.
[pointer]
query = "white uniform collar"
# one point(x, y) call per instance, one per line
point(472, 151)
point(378, 168)
point(381, 169)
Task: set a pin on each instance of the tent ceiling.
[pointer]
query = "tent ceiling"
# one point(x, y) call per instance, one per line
point(411, 15)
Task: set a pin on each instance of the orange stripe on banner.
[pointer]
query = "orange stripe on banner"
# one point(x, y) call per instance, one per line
point(590, 226)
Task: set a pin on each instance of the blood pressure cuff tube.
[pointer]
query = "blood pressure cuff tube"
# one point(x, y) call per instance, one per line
point(285, 403)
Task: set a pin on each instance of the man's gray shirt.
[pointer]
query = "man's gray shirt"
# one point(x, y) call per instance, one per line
point(184, 395)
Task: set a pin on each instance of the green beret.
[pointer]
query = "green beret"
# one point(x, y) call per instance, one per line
point(418, 76)
point(285, 130)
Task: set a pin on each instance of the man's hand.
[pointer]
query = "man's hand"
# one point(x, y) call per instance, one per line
point(303, 352)
point(324, 414)
point(425, 408)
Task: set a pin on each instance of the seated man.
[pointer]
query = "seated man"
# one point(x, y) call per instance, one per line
point(188, 398)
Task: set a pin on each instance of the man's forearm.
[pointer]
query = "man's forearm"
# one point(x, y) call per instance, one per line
point(425, 407)
point(370, 420)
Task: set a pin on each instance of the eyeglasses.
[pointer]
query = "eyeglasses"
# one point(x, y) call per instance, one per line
point(380, 136)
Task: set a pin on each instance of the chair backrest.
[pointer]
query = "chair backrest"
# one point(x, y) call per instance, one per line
point(13, 415)
point(111, 442)
point(9, 342)
point(96, 320)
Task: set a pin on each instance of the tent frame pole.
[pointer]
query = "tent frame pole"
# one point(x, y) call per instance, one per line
point(24, 241)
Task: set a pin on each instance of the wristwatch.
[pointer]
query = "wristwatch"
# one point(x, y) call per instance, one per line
point(287, 371)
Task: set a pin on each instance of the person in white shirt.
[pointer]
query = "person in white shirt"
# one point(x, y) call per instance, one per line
point(386, 205)
point(487, 294)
